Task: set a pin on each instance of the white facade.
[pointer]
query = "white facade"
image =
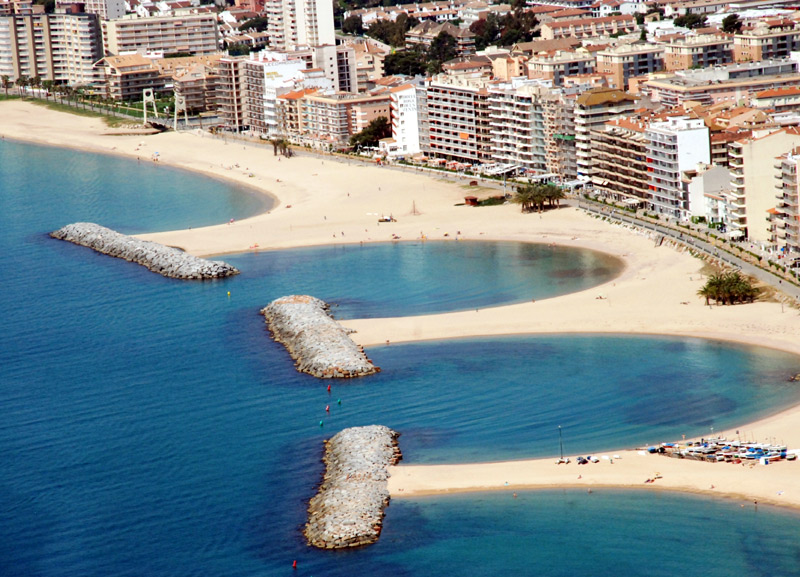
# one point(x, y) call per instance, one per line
point(674, 146)
point(300, 22)
point(405, 120)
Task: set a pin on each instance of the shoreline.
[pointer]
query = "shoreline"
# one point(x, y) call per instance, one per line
point(317, 202)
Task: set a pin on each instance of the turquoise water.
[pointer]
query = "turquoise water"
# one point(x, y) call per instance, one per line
point(151, 427)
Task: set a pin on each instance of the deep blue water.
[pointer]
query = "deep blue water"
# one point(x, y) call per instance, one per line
point(150, 426)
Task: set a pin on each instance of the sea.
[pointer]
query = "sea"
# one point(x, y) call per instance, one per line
point(150, 427)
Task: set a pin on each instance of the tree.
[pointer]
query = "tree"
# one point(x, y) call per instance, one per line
point(48, 88)
point(6, 82)
point(259, 24)
point(442, 49)
point(22, 82)
point(690, 21)
point(353, 25)
point(409, 62)
point(732, 24)
point(534, 196)
point(376, 130)
point(728, 288)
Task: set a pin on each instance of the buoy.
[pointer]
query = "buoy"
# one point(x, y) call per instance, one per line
point(229, 294)
point(339, 401)
point(329, 388)
point(327, 408)
point(321, 424)
point(294, 564)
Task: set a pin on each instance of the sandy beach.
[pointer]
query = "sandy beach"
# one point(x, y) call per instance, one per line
point(321, 201)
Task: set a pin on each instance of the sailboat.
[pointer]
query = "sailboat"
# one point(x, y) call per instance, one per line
point(561, 460)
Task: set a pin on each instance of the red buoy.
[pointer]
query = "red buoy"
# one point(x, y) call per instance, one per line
point(327, 408)
point(329, 388)
point(294, 564)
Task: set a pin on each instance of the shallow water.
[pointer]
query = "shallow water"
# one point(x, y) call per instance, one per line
point(150, 427)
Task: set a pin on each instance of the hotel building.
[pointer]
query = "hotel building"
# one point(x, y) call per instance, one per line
point(629, 60)
point(299, 23)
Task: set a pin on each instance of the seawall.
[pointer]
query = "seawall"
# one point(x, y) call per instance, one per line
point(318, 344)
point(165, 260)
point(348, 510)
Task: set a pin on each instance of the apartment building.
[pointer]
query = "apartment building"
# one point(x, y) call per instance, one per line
point(784, 223)
point(127, 76)
point(674, 146)
point(198, 86)
point(59, 47)
point(752, 165)
point(105, 9)
point(558, 108)
point(629, 60)
point(779, 100)
point(589, 27)
point(700, 51)
point(593, 109)
point(458, 118)
point(425, 33)
point(557, 64)
point(299, 23)
point(330, 119)
point(619, 161)
point(230, 94)
point(766, 41)
point(405, 119)
point(732, 83)
point(516, 120)
point(192, 33)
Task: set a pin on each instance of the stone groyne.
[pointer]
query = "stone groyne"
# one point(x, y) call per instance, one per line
point(319, 345)
point(165, 260)
point(349, 507)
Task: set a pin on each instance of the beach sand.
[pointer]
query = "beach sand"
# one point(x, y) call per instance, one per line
point(323, 201)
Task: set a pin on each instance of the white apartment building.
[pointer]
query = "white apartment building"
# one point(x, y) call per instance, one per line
point(405, 108)
point(300, 22)
point(58, 47)
point(194, 33)
point(675, 145)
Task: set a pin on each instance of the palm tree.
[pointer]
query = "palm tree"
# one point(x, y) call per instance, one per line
point(36, 82)
point(22, 82)
point(48, 88)
point(6, 82)
point(524, 197)
point(728, 288)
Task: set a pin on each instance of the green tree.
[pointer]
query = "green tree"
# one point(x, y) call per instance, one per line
point(409, 62)
point(732, 24)
point(442, 49)
point(258, 24)
point(353, 25)
point(48, 86)
point(690, 21)
point(22, 83)
point(6, 82)
point(728, 288)
point(376, 130)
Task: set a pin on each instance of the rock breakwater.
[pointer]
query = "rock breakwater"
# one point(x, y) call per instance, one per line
point(349, 507)
point(319, 345)
point(165, 260)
